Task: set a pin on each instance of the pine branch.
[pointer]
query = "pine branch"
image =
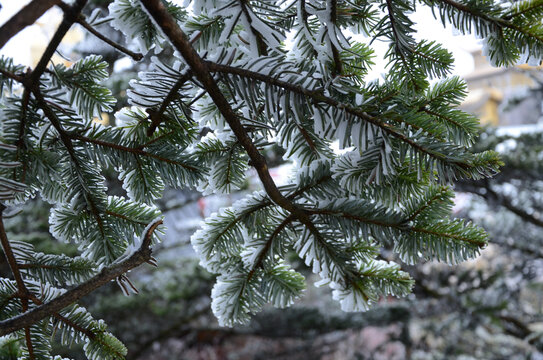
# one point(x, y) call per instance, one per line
point(121, 216)
point(262, 48)
point(25, 17)
point(317, 96)
point(436, 197)
point(499, 22)
point(87, 332)
point(399, 46)
point(525, 10)
point(143, 254)
point(477, 243)
point(200, 68)
point(31, 79)
point(266, 248)
point(399, 226)
point(21, 145)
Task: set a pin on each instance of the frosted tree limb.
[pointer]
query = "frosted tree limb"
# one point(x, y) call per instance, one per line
point(143, 254)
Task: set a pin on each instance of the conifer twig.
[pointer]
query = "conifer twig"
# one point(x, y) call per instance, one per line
point(136, 151)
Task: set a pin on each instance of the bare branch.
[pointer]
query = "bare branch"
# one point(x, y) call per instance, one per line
point(25, 17)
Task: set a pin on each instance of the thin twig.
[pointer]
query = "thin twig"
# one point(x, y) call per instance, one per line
point(70, 16)
point(83, 22)
point(7, 74)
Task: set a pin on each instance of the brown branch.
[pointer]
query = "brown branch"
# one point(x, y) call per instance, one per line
point(87, 332)
point(443, 117)
point(121, 216)
point(31, 79)
point(338, 66)
point(179, 40)
point(25, 17)
point(20, 137)
point(264, 251)
point(6, 246)
point(480, 244)
point(427, 204)
point(262, 48)
point(7, 74)
point(158, 138)
point(143, 254)
point(397, 226)
point(29, 346)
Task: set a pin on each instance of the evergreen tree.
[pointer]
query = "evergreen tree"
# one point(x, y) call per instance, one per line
point(234, 88)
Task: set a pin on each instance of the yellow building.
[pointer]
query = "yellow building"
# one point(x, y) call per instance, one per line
point(501, 96)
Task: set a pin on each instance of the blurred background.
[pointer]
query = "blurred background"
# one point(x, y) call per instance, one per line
point(487, 308)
